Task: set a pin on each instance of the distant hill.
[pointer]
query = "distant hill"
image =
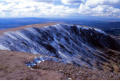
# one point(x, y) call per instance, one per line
point(6, 23)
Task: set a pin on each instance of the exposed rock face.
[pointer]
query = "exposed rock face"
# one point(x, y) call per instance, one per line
point(83, 46)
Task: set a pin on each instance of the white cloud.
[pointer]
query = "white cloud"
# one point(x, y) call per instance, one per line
point(32, 8)
point(48, 8)
point(102, 2)
point(72, 2)
point(100, 8)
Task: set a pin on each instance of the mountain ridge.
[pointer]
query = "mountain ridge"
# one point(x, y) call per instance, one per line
point(26, 26)
point(82, 46)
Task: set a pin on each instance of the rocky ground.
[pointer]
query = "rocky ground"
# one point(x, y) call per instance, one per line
point(12, 67)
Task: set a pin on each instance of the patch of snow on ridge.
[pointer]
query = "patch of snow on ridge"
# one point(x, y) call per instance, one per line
point(10, 34)
point(40, 59)
point(87, 28)
point(22, 35)
point(3, 47)
point(82, 27)
point(100, 31)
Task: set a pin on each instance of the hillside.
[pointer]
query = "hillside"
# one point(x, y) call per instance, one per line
point(12, 67)
point(75, 51)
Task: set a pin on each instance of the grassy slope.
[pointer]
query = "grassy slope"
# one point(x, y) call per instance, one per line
point(12, 66)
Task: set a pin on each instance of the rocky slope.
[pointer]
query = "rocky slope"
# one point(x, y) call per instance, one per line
point(12, 67)
point(71, 44)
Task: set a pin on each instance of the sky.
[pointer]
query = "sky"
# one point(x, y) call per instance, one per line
point(59, 8)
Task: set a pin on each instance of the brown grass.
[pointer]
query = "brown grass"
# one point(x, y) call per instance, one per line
point(12, 67)
point(78, 73)
point(27, 26)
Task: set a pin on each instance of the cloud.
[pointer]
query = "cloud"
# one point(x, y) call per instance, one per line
point(100, 8)
point(47, 1)
point(34, 9)
point(59, 8)
point(72, 2)
point(102, 2)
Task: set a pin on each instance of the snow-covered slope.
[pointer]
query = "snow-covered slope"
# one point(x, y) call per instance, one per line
point(67, 43)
